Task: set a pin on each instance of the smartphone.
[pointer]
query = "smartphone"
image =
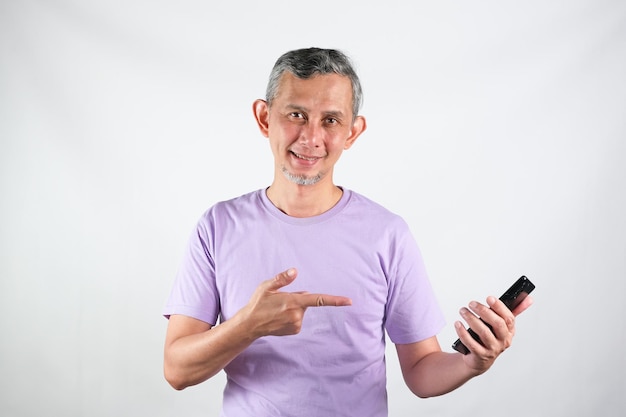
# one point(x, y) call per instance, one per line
point(511, 298)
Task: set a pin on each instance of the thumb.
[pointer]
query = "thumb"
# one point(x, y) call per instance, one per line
point(283, 279)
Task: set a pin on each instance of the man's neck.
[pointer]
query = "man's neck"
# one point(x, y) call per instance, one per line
point(304, 200)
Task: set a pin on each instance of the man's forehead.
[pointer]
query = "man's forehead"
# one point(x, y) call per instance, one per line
point(288, 78)
point(332, 86)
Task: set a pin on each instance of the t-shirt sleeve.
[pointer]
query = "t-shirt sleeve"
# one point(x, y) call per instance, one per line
point(412, 313)
point(194, 291)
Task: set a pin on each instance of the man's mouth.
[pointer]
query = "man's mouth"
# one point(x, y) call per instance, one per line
point(304, 157)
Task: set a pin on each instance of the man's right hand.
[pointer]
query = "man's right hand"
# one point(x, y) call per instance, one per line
point(279, 313)
point(195, 350)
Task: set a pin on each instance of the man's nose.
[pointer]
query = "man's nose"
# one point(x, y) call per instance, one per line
point(311, 135)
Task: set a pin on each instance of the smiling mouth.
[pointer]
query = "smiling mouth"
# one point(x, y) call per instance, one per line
point(305, 158)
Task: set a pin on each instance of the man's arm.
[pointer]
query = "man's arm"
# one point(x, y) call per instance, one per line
point(195, 351)
point(429, 372)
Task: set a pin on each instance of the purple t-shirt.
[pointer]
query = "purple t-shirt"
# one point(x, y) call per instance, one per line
point(336, 365)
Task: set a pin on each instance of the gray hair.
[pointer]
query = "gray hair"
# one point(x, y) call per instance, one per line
point(305, 63)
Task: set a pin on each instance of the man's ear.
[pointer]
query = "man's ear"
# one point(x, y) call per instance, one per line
point(358, 126)
point(261, 115)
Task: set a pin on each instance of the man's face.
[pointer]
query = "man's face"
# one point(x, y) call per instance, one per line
point(309, 124)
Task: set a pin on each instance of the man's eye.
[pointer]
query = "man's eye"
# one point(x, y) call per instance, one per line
point(331, 121)
point(296, 115)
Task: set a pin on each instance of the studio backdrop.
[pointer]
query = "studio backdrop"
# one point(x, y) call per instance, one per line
point(496, 129)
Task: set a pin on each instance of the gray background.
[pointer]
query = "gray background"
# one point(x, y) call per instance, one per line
point(496, 129)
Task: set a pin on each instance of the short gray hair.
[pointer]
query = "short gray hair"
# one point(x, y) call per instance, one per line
point(305, 63)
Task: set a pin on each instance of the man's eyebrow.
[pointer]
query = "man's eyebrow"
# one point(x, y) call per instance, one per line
point(296, 107)
point(334, 113)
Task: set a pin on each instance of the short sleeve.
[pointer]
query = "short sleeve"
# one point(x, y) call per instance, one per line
point(412, 312)
point(194, 291)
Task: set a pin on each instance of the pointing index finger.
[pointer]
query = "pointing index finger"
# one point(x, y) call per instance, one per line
point(323, 300)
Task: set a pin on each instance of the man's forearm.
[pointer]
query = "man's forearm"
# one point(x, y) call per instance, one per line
point(192, 359)
point(438, 373)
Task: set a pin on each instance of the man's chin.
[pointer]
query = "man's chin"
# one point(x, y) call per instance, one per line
point(302, 179)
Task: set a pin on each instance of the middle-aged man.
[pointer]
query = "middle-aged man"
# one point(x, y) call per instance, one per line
point(311, 340)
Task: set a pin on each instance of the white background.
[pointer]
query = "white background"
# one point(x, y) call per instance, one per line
point(497, 129)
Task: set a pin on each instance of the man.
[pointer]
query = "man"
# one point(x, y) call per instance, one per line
point(311, 340)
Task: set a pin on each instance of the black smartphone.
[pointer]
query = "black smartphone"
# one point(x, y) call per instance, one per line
point(511, 298)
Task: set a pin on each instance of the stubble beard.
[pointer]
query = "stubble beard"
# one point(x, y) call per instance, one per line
point(302, 179)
